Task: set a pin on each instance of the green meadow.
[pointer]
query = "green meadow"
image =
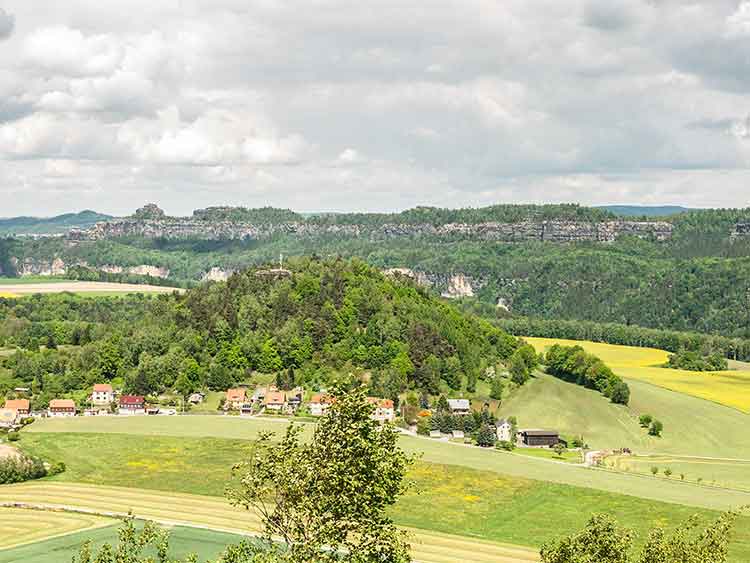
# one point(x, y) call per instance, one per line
point(470, 492)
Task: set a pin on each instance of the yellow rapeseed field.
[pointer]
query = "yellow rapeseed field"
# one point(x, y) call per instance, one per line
point(730, 388)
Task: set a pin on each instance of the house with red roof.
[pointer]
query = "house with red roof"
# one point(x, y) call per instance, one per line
point(61, 407)
point(21, 406)
point(275, 401)
point(132, 404)
point(384, 411)
point(102, 395)
point(235, 398)
point(319, 404)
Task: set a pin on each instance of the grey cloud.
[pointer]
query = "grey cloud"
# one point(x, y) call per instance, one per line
point(609, 15)
point(7, 23)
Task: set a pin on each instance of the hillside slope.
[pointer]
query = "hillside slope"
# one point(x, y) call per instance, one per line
point(691, 426)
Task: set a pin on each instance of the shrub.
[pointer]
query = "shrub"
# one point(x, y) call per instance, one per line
point(505, 445)
point(656, 428)
point(57, 468)
point(13, 436)
point(16, 469)
point(654, 470)
point(645, 420)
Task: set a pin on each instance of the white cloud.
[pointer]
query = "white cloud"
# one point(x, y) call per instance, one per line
point(62, 50)
point(330, 106)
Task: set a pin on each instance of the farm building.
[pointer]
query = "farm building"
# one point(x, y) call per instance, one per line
point(103, 394)
point(458, 434)
point(504, 431)
point(132, 404)
point(539, 438)
point(61, 407)
point(319, 404)
point(21, 406)
point(196, 398)
point(459, 406)
point(235, 398)
point(383, 409)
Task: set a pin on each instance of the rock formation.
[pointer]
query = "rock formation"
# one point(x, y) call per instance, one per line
point(150, 222)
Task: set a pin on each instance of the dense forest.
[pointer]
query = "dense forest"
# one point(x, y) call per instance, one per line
point(699, 281)
point(316, 320)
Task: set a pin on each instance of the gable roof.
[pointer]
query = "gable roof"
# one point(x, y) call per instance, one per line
point(502, 422)
point(235, 395)
point(62, 404)
point(459, 404)
point(132, 400)
point(17, 404)
point(382, 403)
point(533, 432)
point(102, 388)
point(321, 398)
point(275, 397)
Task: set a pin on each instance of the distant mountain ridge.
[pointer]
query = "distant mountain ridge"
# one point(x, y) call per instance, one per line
point(646, 210)
point(58, 224)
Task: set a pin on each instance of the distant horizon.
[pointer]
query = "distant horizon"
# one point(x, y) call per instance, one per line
point(326, 211)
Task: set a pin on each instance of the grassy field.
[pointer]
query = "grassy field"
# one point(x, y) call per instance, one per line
point(691, 426)
point(22, 287)
point(730, 388)
point(208, 544)
point(548, 454)
point(89, 449)
point(31, 280)
point(216, 513)
point(473, 499)
point(19, 527)
point(720, 472)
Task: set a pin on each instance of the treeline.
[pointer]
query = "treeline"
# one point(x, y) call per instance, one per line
point(326, 317)
point(629, 335)
point(442, 216)
point(575, 365)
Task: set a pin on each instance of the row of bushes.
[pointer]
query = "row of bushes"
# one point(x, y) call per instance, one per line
point(575, 365)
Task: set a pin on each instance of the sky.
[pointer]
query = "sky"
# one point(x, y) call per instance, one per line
point(337, 105)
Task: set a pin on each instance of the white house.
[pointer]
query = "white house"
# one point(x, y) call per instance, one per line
point(383, 410)
point(460, 406)
point(275, 400)
point(103, 394)
point(504, 431)
point(319, 404)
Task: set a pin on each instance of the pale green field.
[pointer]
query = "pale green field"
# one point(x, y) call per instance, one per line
point(31, 280)
point(730, 388)
point(691, 426)
point(430, 451)
point(719, 472)
point(20, 526)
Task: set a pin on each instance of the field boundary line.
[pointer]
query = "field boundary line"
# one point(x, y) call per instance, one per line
point(98, 526)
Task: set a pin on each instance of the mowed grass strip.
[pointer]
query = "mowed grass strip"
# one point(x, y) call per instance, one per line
point(452, 499)
point(718, 472)
point(217, 514)
point(19, 526)
point(207, 544)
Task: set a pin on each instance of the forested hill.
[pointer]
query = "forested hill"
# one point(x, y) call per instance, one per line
point(315, 321)
point(59, 224)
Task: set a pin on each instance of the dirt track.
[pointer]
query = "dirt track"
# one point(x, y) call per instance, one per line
point(82, 287)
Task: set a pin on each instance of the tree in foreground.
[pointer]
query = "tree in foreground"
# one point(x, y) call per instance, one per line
point(326, 498)
point(603, 541)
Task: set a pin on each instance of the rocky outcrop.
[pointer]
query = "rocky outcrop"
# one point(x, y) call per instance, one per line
point(216, 274)
point(142, 270)
point(741, 230)
point(458, 286)
point(150, 222)
point(33, 267)
point(452, 286)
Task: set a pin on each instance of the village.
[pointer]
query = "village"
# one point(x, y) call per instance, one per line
point(270, 401)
